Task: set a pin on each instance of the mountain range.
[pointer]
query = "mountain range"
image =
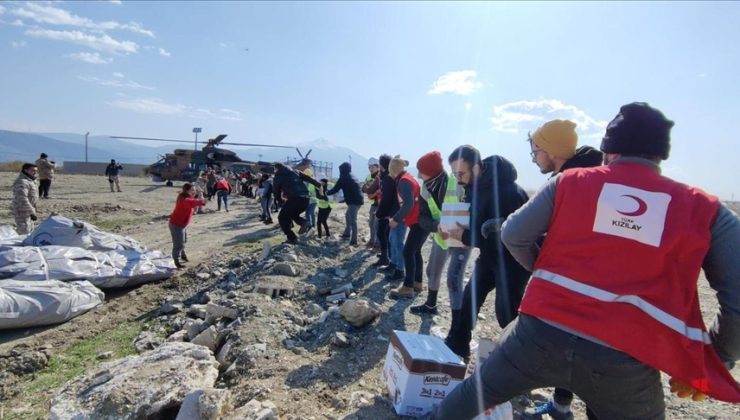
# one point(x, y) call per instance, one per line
point(71, 147)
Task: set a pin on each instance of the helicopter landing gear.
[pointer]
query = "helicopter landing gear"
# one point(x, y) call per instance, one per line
point(168, 183)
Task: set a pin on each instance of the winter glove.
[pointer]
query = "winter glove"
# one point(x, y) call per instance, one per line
point(491, 226)
point(683, 390)
point(34, 217)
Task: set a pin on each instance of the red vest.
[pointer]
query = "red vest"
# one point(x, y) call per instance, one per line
point(413, 217)
point(620, 263)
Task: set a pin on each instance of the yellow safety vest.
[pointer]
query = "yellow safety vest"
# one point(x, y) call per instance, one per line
point(311, 193)
point(325, 204)
point(450, 197)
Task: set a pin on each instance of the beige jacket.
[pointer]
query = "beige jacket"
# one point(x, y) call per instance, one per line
point(46, 168)
point(25, 194)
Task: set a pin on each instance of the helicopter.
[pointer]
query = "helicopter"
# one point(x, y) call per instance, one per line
point(187, 164)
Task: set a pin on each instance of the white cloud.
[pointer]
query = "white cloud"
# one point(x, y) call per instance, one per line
point(101, 43)
point(150, 106)
point(92, 58)
point(17, 22)
point(129, 84)
point(2, 9)
point(119, 75)
point(515, 117)
point(457, 82)
point(18, 44)
point(164, 52)
point(51, 15)
point(221, 114)
point(116, 2)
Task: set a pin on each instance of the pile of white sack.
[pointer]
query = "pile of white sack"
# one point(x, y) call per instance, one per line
point(55, 273)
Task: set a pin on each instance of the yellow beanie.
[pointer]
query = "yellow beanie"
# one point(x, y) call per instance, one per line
point(557, 138)
point(396, 166)
point(308, 172)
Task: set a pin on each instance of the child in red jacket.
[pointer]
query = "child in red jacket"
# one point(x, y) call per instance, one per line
point(180, 219)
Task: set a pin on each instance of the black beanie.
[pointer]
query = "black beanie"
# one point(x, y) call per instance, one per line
point(638, 130)
point(384, 161)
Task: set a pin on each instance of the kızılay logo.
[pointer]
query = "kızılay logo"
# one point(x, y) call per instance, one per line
point(641, 207)
point(439, 379)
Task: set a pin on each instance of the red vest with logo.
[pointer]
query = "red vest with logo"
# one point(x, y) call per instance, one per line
point(621, 262)
point(413, 217)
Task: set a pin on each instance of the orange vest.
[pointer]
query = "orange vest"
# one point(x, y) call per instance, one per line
point(620, 263)
point(412, 217)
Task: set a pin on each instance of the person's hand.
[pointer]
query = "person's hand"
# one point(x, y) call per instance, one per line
point(457, 232)
point(392, 223)
point(34, 217)
point(491, 226)
point(443, 234)
point(683, 390)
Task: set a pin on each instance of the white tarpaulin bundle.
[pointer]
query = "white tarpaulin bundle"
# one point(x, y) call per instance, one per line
point(60, 230)
point(34, 303)
point(9, 237)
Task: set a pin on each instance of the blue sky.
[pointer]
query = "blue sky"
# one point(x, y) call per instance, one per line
point(399, 78)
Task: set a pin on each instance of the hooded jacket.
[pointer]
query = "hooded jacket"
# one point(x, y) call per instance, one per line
point(46, 168)
point(493, 194)
point(349, 186)
point(291, 182)
point(24, 196)
point(388, 203)
point(585, 157)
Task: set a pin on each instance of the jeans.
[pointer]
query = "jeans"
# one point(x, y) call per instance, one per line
point(350, 220)
point(412, 255)
point(179, 238)
point(311, 212)
point(223, 195)
point(323, 217)
point(435, 266)
point(373, 224)
point(533, 354)
point(265, 204)
point(395, 245)
point(455, 275)
point(291, 212)
point(383, 231)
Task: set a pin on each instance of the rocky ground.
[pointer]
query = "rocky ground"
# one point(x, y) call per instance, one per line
point(279, 346)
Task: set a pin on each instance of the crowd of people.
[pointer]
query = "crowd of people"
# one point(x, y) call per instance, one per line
point(595, 276)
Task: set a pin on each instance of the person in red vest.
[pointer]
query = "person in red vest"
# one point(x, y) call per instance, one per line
point(223, 189)
point(613, 297)
point(180, 219)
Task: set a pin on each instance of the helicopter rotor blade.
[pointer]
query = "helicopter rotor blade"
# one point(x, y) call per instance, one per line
point(148, 139)
point(257, 145)
point(309, 152)
point(299, 152)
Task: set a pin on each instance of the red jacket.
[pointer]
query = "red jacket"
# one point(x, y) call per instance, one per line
point(184, 211)
point(223, 185)
point(621, 262)
point(412, 217)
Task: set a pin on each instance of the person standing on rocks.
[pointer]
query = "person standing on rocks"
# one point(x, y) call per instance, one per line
point(25, 194)
point(387, 207)
point(223, 189)
point(180, 219)
point(265, 196)
point(46, 174)
point(289, 186)
point(492, 191)
point(352, 197)
point(613, 300)
point(325, 207)
point(408, 216)
point(112, 171)
point(371, 187)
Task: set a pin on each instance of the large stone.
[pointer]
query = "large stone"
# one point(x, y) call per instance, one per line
point(313, 309)
point(359, 312)
point(285, 269)
point(224, 356)
point(290, 258)
point(206, 404)
point(218, 311)
point(208, 338)
point(256, 410)
point(266, 248)
point(171, 307)
point(340, 340)
point(135, 387)
point(194, 327)
point(147, 340)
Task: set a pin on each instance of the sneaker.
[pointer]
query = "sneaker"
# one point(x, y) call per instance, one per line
point(304, 228)
point(381, 263)
point(402, 292)
point(291, 241)
point(424, 309)
point(390, 268)
point(548, 408)
point(184, 258)
point(268, 222)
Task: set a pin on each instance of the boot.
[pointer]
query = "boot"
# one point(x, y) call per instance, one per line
point(453, 336)
point(402, 292)
point(184, 257)
point(177, 263)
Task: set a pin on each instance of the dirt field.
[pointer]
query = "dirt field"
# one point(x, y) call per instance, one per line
point(316, 381)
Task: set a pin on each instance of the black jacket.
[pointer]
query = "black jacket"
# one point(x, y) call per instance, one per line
point(585, 157)
point(388, 203)
point(437, 188)
point(349, 186)
point(493, 194)
point(291, 182)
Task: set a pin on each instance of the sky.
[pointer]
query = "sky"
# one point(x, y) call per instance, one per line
point(379, 77)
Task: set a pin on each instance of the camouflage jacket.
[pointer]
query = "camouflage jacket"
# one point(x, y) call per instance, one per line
point(46, 168)
point(25, 193)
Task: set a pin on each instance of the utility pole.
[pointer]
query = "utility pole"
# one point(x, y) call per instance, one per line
point(196, 130)
point(86, 135)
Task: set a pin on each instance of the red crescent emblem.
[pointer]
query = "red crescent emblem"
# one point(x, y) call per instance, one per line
point(641, 207)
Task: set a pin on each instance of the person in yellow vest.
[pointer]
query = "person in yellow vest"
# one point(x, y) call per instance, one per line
point(439, 188)
point(325, 206)
point(312, 200)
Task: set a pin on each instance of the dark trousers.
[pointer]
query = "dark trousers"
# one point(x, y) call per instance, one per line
point(383, 230)
point(533, 354)
point(500, 272)
point(412, 255)
point(291, 212)
point(322, 218)
point(44, 186)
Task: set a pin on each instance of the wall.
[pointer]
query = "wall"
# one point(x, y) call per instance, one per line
point(98, 168)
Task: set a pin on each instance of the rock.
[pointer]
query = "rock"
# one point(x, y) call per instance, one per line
point(340, 340)
point(203, 276)
point(313, 309)
point(105, 355)
point(223, 357)
point(208, 338)
point(359, 312)
point(236, 262)
point(27, 362)
point(255, 410)
point(198, 311)
point(232, 295)
point(340, 272)
point(218, 311)
point(205, 404)
point(181, 335)
point(266, 248)
point(285, 269)
point(147, 340)
point(290, 258)
point(256, 349)
point(194, 327)
point(140, 386)
point(171, 307)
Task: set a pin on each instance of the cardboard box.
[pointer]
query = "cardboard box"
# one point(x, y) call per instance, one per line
point(452, 214)
point(419, 371)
